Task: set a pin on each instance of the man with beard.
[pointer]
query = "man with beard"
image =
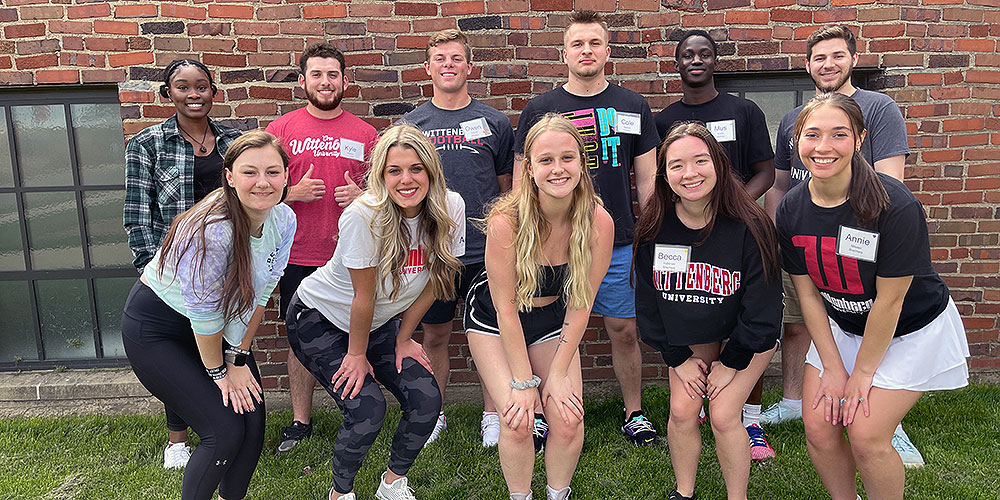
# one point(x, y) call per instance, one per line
point(327, 147)
point(619, 136)
point(738, 124)
point(831, 54)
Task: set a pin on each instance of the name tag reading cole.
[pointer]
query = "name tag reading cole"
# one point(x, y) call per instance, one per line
point(671, 258)
point(723, 131)
point(475, 129)
point(629, 123)
point(352, 149)
point(857, 243)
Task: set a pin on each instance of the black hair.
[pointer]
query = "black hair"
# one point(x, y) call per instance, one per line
point(176, 65)
point(691, 33)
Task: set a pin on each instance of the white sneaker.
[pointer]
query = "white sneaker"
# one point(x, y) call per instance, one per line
point(907, 451)
point(176, 455)
point(398, 490)
point(551, 494)
point(439, 427)
point(490, 427)
point(345, 496)
point(778, 413)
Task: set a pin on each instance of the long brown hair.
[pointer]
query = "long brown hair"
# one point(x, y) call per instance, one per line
point(865, 192)
point(729, 198)
point(220, 205)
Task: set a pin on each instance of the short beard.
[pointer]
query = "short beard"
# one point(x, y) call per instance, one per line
point(836, 86)
point(590, 74)
point(314, 100)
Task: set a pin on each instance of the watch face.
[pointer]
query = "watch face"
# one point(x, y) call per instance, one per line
point(241, 360)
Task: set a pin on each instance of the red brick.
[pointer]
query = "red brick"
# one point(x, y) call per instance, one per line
point(257, 109)
point(702, 20)
point(106, 44)
point(279, 12)
point(925, 79)
point(227, 60)
point(23, 30)
point(436, 24)
point(281, 44)
point(278, 94)
point(8, 15)
point(639, 5)
point(595, 5)
point(974, 45)
point(116, 27)
point(136, 96)
point(385, 26)
point(212, 44)
point(257, 29)
point(657, 20)
point(300, 28)
point(415, 9)
point(514, 87)
point(465, 8)
point(135, 11)
point(6, 63)
point(940, 156)
point(39, 61)
point(882, 30)
point(635, 68)
point(130, 59)
point(962, 124)
point(41, 12)
point(370, 10)
point(263, 60)
point(183, 11)
point(803, 32)
point(247, 45)
point(324, 11)
point(763, 4)
point(411, 42)
point(507, 6)
point(57, 76)
point(960, 14)
point(746, 17)
point(789, 16)
point(89, 10)
point(81, 59)
point(230, 11)
point(756, 34)
point(834, 15)
point(414, 75)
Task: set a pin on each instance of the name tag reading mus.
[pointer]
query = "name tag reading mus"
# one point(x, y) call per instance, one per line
point(860, 244)
point(629, 123)
point(671, 258)
point(724, 131)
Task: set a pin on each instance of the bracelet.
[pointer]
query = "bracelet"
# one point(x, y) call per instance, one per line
point(535, 381)
point(235, 350)
point(235, 355)
point(217, 373)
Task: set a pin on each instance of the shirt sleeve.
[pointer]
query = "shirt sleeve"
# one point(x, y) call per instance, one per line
point(140, 197)
point(760, 141)
point(783, 146)
point(503, 162)
point(759, 318)
point(791, 260)
point(356, 239)
point(524, 122)
point(287, 231)
point(887, 132)
point(903, 248)
point(201, 282)
point(650, 138)
point(456, 208)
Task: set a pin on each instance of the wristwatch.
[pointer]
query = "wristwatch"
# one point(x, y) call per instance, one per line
point(236, 356)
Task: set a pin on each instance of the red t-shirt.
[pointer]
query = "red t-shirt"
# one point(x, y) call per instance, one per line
point(332, 146)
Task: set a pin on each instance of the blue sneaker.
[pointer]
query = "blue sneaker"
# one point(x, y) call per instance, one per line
point(907, 451)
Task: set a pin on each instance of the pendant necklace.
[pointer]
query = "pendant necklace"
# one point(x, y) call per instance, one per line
point(201, 143)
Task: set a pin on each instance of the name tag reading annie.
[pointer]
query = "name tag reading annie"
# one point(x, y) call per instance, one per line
point(671, 258)
point(860, 244)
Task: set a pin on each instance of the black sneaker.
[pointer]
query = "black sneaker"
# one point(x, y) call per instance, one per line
point(540, 432)
point(674, 495)
point(638, 429)
point(291, 435)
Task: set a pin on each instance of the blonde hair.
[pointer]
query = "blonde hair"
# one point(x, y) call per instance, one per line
point(521, 208)
point(435, 225)
point(445, 36)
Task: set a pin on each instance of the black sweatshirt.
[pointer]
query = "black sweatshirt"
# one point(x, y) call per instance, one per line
point(723, 294)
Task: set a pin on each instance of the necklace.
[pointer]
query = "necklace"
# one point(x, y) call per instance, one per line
point(201, 143)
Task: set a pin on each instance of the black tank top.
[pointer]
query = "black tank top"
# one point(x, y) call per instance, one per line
point(551, 280)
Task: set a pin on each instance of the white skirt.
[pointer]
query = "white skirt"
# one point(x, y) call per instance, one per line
point(929, 359)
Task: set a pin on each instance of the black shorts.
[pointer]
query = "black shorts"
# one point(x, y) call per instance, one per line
point(541, 324)
point(289, 283)
point(444, 312)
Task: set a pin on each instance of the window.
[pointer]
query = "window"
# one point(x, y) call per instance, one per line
point(65, 265)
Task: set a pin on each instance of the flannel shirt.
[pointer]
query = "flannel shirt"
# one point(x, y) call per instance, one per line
point(159, 183)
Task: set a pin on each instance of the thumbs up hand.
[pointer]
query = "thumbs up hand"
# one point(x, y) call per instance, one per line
point(348, 192)
point(307, 189)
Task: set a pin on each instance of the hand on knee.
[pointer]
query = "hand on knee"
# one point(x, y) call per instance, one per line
point(519, 435)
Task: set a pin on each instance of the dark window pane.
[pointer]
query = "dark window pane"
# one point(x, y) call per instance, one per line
point(6, 171)
point(42, 145)
point(108, 244)
point(774, 104)
point(100, 143)
point(17, 331)
point(53, 231)
point(11, 253)
point(64, 310)
point(111, 295)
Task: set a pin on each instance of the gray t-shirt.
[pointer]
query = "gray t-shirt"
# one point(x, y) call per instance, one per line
point(886, 134)
point(471, 166)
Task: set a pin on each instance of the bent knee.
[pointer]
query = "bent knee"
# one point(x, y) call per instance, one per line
point(562, 431)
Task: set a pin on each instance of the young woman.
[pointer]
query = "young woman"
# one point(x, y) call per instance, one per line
point(214, 274)
point(708, 297)
point(548, 245)
point(168, 168)
point(396, 253)
point(884, 328)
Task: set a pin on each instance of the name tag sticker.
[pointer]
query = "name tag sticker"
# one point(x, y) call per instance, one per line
point(724, 131)
point(629, 123)
point(671, 258)
point(475, 129)
point(857, 243)
point(352, 149)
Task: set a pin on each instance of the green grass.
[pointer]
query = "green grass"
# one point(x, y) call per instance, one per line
point(120, 457)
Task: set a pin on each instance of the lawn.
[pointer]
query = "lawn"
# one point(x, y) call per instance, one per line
point(120, 457)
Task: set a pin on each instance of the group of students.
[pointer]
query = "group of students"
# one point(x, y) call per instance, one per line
point(702, 267)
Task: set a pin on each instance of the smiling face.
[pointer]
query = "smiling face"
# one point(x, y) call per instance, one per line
point(585, 49)
point(324, 82)
point(690, 170)
point(831, 64)
point(406, 179)
point(191, 92)
point(827, 143)
point(555, 164)
point(448, 67)
point(696, 61)
point(258, 175)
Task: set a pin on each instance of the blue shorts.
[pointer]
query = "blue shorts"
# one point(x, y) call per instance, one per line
point(616, 297)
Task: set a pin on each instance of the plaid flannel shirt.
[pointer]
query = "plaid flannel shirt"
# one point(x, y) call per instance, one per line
point(159, 183)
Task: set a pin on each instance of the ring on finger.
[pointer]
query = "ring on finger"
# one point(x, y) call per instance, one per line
point(828, 398)
point(842, 400)
point(861, 400)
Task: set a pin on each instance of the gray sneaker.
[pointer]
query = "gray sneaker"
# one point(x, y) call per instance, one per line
point(776, 414)
point(907, 451)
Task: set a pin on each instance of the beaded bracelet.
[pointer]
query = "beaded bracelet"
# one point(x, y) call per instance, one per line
point(217, 373)
point(535, 381)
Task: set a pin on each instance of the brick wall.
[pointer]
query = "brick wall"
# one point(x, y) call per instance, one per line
point(941, 63)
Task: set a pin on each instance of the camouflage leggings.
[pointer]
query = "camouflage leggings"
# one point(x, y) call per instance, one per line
point(321, 347)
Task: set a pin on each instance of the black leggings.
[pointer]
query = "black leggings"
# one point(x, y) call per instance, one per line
point(164, 356)
point(321, 348)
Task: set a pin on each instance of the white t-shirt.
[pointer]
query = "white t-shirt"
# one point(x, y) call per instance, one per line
point(329, 289)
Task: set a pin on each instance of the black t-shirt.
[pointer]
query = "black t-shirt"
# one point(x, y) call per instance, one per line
point(809, 245)
point(611, 149)
point(723, 295)
point(207, 174)
point(737, 123)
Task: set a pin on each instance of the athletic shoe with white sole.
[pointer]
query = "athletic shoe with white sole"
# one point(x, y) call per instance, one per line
point(779, 413)
point(907, 451)
point(540, 433)
point(291, 435)
point(490, 429)
point(176, 455)
point(759, 449)
point(398, 490)
point(345, 496)
point(439, 427)
point(637, 428)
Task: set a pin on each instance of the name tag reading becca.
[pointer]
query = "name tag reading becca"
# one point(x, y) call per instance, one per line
point(629, 123)
point(476, 129)
point(857, 243)
point(723, 131)
point(671, 258)
point(352, 149)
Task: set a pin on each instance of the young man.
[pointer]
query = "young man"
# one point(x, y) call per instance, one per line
point(327, 148)
point(831, 54)
point(739, 125)
point(617, 126)
point(476, 144)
